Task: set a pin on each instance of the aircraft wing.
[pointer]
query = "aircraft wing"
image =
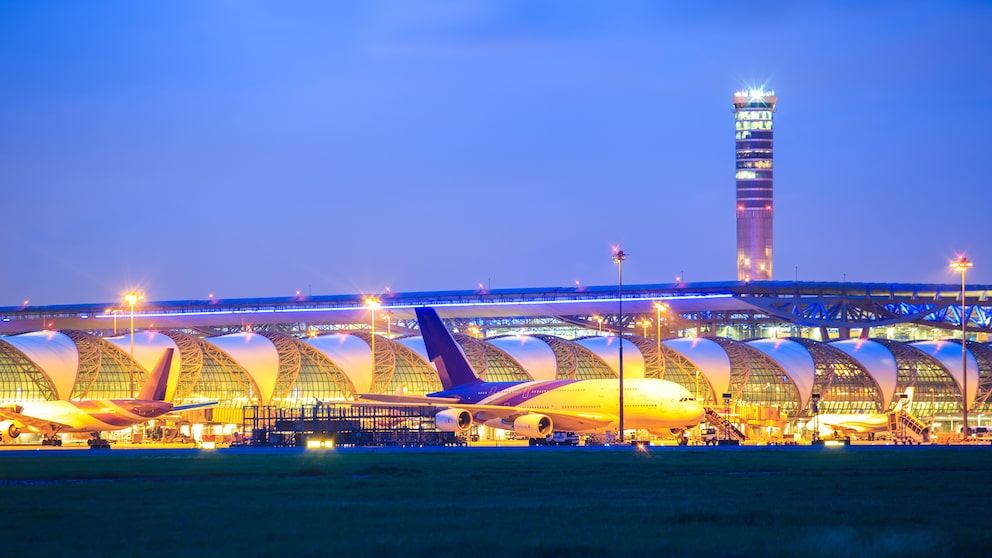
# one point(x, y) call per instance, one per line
point(180, 408)
point(31, 423)
point(406, 399)
point(563, 420)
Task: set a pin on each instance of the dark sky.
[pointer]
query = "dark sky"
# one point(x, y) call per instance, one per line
point(251, 149)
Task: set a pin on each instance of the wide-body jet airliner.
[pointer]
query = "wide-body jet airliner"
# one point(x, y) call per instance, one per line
point(537, 408)
point(51, 418)
point(841, 424)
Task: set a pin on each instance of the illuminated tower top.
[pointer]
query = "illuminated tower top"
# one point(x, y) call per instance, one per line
point(753, 112)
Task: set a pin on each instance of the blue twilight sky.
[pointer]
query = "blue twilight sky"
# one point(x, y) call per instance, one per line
point(251, 149)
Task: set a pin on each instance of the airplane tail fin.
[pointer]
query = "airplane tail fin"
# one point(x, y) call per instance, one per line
point(154, 389)
point(453, 367)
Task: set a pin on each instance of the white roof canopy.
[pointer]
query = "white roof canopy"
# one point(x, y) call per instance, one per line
point(608, 349)
point(794, 359)
point(877, 360)
point(257, 355)
point(709, 357)
point(54, 353)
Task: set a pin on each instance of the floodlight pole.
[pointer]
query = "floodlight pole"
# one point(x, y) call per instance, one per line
point(618, 257)
point(962, 265)
point(661, 372)
point(131, 299)
point(373, 303)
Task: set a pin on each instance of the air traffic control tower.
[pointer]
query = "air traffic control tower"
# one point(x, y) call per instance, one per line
point(753, 112)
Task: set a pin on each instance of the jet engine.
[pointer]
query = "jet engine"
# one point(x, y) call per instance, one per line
point(453, 420)
point(9, 429)
point(533, 426)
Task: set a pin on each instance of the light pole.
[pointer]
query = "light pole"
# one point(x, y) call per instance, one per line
point(661, 308)
point(962, 265)
point(599, 319)
point(373, 303)
point(389, 324)
point(131, 298)
point(618, 257)
point(645, 324)
point(114, 312)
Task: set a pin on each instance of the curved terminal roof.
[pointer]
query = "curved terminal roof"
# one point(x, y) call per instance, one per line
point(949, 355)
point(415, 344)
point(536, 356)
point(257, 355)
point(794, 359)
point(351, 354)
point(607, 348)
point(708, 356)
point(877, 360)
point(149, 346)
point(54, 353)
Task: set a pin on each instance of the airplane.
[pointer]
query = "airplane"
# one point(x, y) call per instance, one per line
point(51, 418)
point(537, 408)
point(839, 424)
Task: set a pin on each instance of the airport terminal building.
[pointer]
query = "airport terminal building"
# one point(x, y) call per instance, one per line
point(765, 380)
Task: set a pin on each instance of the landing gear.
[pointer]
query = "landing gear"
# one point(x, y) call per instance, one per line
point(96, 442)
point(52, 441)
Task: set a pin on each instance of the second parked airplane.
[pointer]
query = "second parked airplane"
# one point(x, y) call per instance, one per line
point(51, 418)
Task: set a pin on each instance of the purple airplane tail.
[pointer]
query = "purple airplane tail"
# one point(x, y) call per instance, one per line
point(158, 381)
point(453, 367)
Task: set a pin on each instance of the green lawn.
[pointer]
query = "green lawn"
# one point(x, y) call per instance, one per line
point(754, 502)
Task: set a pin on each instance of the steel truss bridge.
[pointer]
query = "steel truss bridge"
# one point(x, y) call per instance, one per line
point(704, 306)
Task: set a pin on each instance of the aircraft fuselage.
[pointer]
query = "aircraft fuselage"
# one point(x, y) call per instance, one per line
point(649, 404)
point(95, 415)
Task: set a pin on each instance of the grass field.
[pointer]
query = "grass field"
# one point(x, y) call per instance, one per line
point(823, 502)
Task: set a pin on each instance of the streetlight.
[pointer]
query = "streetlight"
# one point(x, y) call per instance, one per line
point(618, 257)
point(389, 324)
point(114, 312)
point(131, 298)
point(373, 303)
point(599, 319)
point(660, 307)
point(962, 265)
point(645, 325)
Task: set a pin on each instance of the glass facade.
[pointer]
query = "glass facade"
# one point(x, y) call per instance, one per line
point(319, 379)
point(223, 380)
point(843, 384)
point(983, 395)
point(105, 371)
point(398, 369)
point(576, 362)
point(754, 116)
point(671, 365)
point(491, 363)
point(756, 379)
point(20, 379)
point(935, 391)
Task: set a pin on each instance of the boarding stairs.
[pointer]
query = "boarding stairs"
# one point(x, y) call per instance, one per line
point(907, 427)
point(725, 429)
